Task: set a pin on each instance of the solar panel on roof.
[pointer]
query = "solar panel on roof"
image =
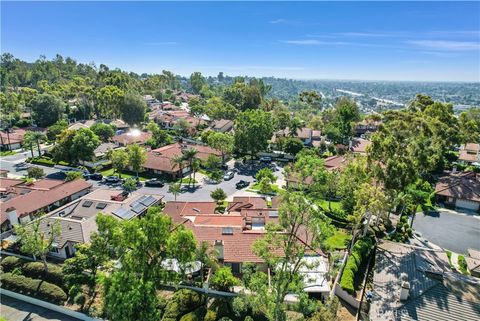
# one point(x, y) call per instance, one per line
point(149, 200)
point(123, 213)
point(101, 205)
point(138, 201)
point(273, 214)
point(139, 208)
point(87, 203)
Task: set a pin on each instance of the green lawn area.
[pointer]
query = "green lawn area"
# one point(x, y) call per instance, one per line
point(186, 180)
point(334, 205)
point(256, 188)
point(7, 153)
point(338, 241)
point(126, 174)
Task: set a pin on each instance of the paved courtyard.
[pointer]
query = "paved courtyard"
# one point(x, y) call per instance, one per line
point(16, 310)
point(451, 230)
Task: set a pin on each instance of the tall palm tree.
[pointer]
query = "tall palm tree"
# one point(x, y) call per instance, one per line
point(195, 167)
point(190, 155)
point(178, 160)
point(175, 189)
point(34, 137)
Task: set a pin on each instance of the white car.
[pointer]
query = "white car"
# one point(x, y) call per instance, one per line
point(228, 175)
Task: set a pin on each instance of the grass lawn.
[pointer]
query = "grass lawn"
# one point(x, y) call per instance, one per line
point(338, 241)
point(7, 153)
point(125, 174)
point(335, 205)
point(256, 188)
point(186, 180)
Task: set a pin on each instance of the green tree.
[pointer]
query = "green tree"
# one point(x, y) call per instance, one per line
point(136, 157)
point(370, 201)
point(216, 108)
point(36, 242)
point(282, 250)
point(35, 172)
point(129, 185)
point(119, 159)
point(73, 175)
point(291, 145)
point(132, 109)
point(223, 279)
point(197, 81)
point(469, 125)
point(190, 155)
point(104, 131)
point(420, 194)
point(222, 142)
point(347, 113)
point(178, 161)
point(212, 162)
point(266, 173)
point(84, 144)
point(182, 246)
point(108, 101)
point(47, 109)
point(218, 195)
point(242, 96)
point(34, 138)
point(175, 189)
point(253, 130)
point(55, 130)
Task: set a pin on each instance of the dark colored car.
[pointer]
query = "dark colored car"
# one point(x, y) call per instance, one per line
point(242, 184)
point(96, 176)
point(154, 182)
point(112, 179)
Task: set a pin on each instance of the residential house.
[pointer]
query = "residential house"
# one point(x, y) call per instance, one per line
point(159, 160)
point(366, 126)
point(12, 139)
point(85, 124)
point(415, 283)
point(359, 146)
point(134, 136)
point(100, 155)
point(222, 126)
point(469, 153)
point(233, 234)
point(335, 163)
point(473, 262)
point(460, 190)
point(20, 201)
point(308, 136)
point(77, 219)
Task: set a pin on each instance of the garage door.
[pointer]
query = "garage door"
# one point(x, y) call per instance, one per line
point(468, 205)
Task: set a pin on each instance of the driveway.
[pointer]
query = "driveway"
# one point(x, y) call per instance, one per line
point(16, 310)
point(449, 229)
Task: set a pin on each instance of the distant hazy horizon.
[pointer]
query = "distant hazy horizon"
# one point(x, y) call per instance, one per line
point(350, 41)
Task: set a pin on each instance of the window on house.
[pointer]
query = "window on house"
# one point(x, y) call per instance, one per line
point(227, 231)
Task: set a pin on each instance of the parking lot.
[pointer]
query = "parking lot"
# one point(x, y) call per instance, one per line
point(449, 229)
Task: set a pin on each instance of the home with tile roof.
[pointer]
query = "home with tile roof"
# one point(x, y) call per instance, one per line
point(416, 283)
point(20, 201)
point(460, 190)
point(308, 136)
point(159, 160)
point(469, 153)
point(222, 126)
point(77, 219)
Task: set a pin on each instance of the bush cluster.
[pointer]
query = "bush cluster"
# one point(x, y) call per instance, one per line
point(36, 288)
point(360, 251)
point(36, 270)
point(10, 263)
point(42, 161)
point(182, 302)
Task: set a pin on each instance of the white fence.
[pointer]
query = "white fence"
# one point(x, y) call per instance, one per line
point(47, 305)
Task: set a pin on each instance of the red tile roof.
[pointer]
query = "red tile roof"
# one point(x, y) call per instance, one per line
point(161, 158)
point(359, 145)
point(461, 185)
point(241, 202)
point(128, 138)
point(335, 162)
point(177, 209)
point(38, 199)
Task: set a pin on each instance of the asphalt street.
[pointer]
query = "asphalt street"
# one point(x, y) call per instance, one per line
point(451, 230)
point(13, 310)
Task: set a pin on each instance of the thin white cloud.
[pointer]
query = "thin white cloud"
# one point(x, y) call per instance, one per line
point(362, 34)
point(446, 45)
point(315, 42)
point(280, 21)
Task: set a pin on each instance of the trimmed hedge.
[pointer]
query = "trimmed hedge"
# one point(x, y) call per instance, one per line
point(36, 270)
point(36, 288)
point(360, 251)
point(10, 263)
point(43, 161)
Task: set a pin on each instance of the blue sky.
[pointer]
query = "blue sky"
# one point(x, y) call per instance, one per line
point(437, 41)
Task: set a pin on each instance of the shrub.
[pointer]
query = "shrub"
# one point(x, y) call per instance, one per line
point(10, 263)
point(36, 270)
point(197, 315)
point(42, 161)
point(80, 299)
point(32, 287)
point(360, 251)
point(462, 263)
point(223, 279)
point(182, 302)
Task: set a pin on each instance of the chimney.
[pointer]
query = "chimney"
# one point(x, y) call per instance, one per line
point(404, 291)
point(219, 248)
point(12, 216)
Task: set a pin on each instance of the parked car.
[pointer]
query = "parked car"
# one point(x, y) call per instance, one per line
point(112, 179)
point(265, 159)
point(96, 176)
point(224, 167)
point(242, 184)
point(154, 182)
point(228, 175)
point(22, 167)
